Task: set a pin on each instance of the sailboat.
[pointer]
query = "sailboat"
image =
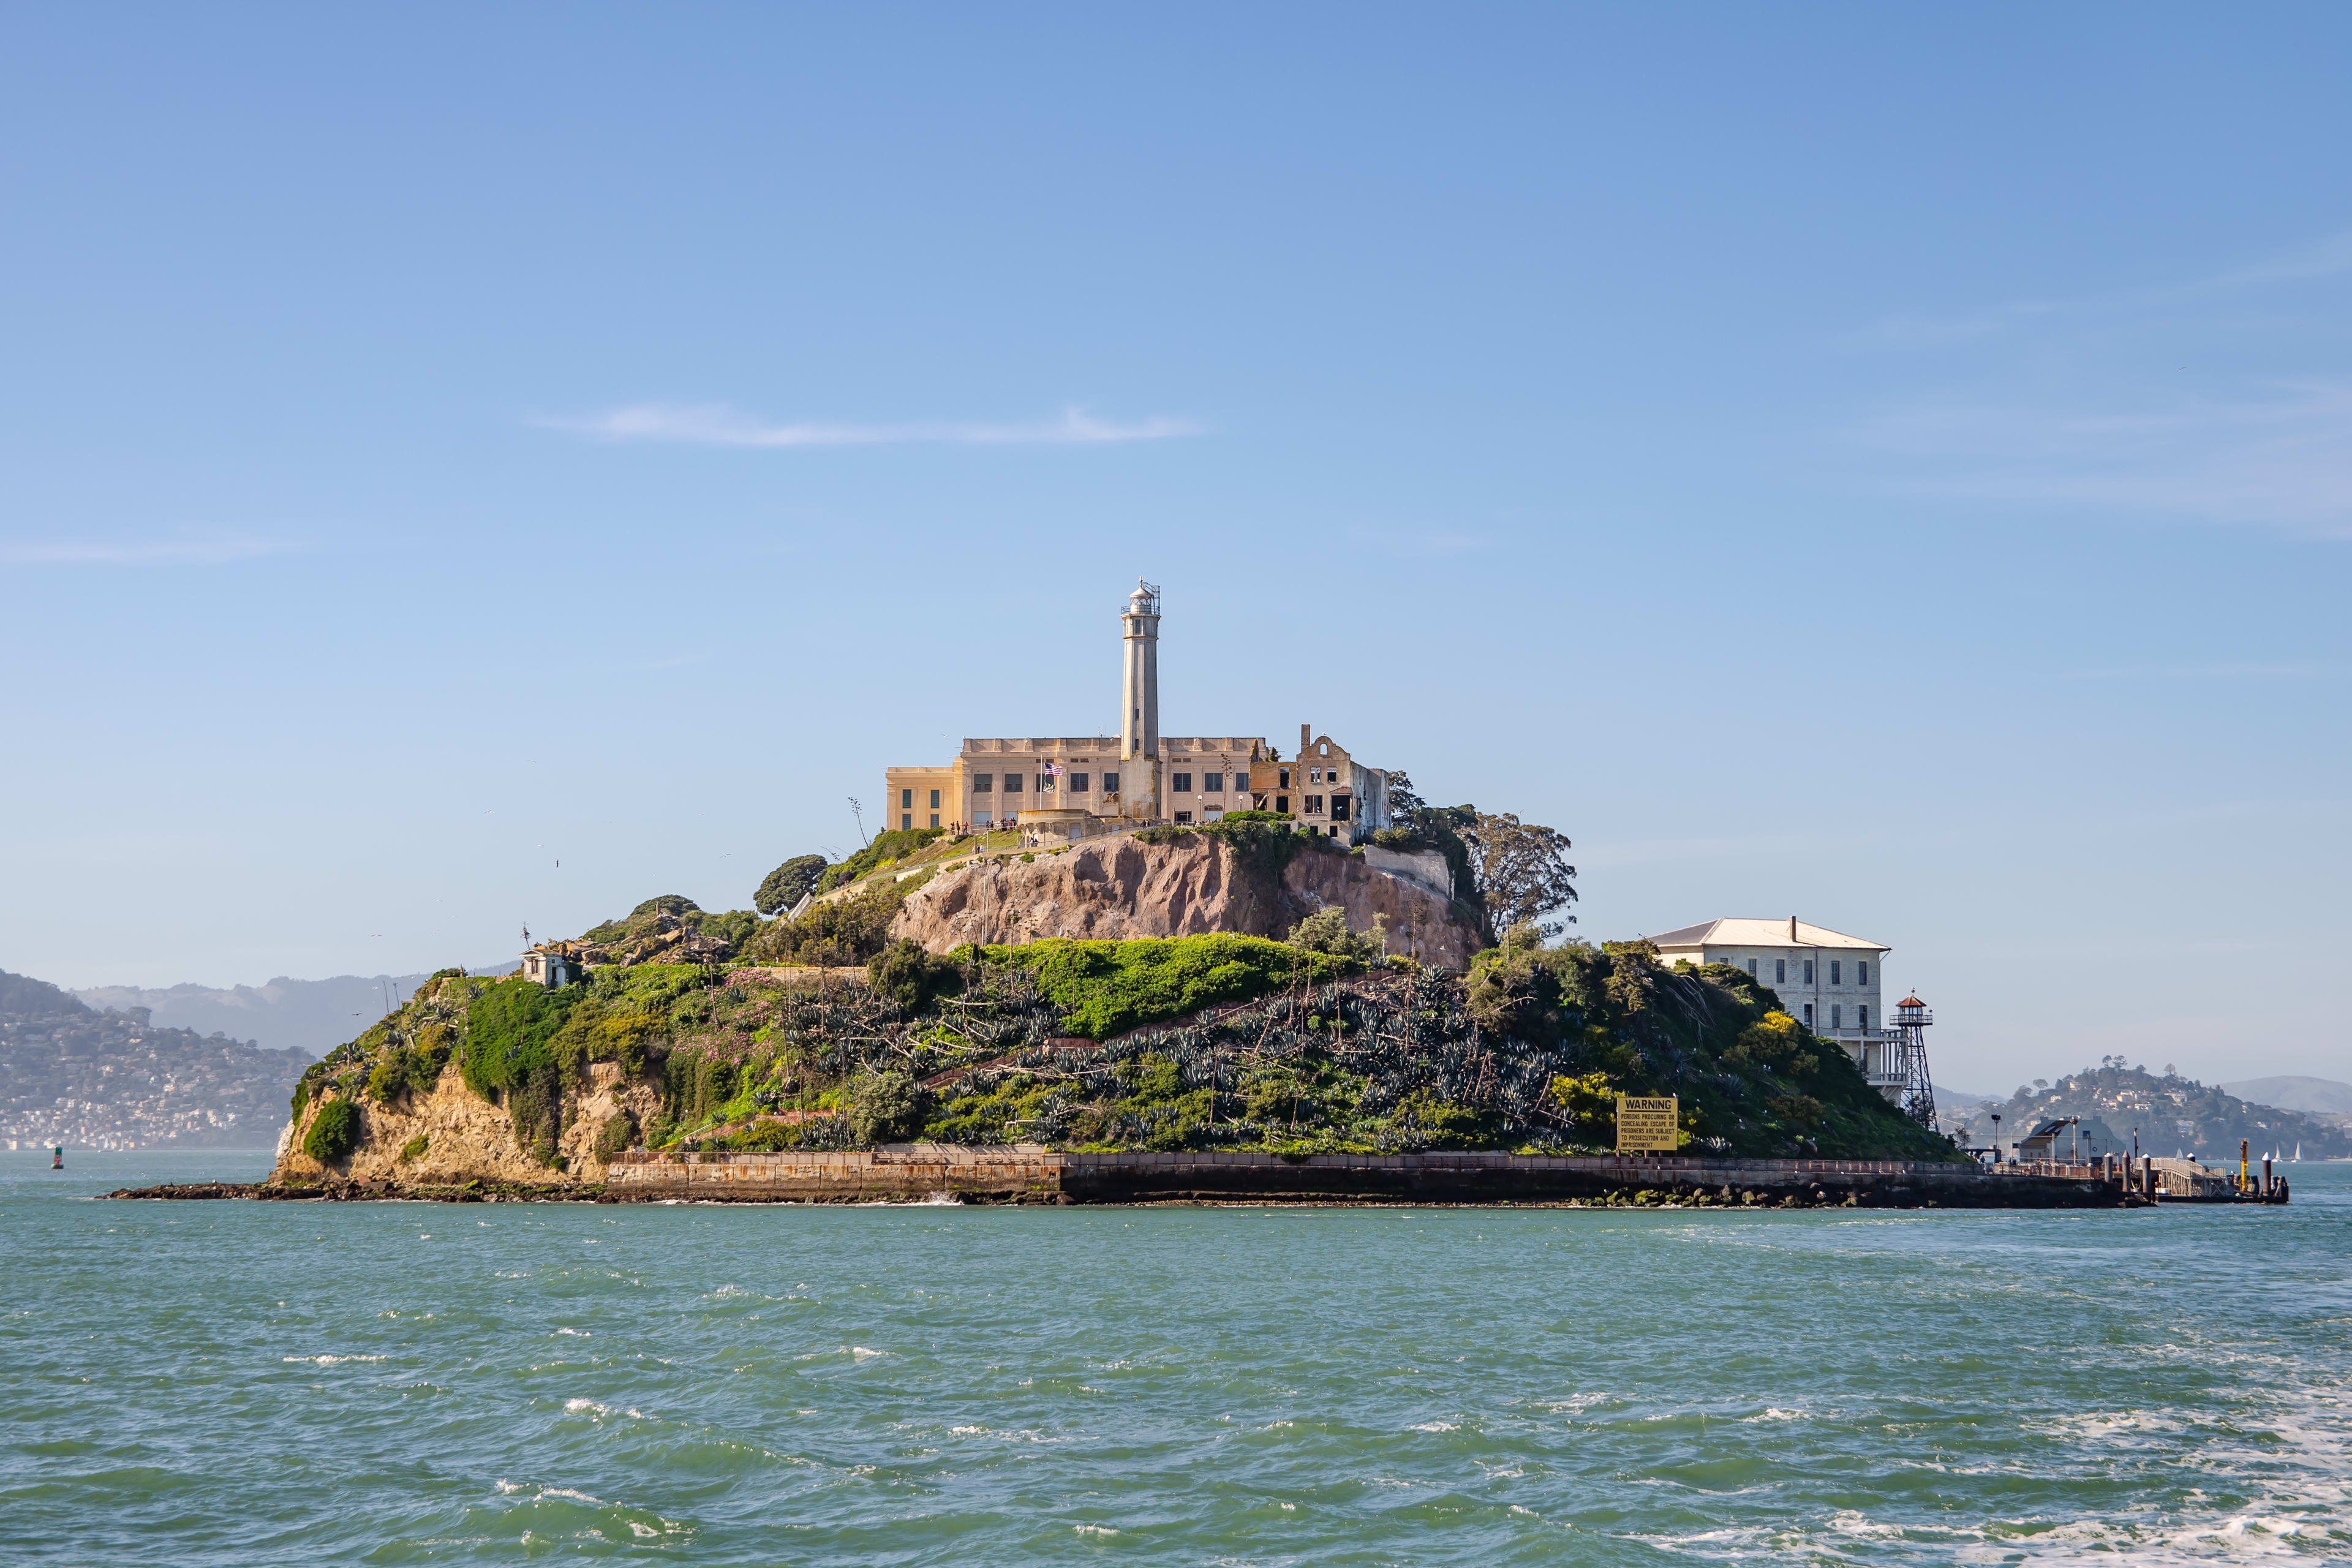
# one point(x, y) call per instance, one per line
point(2298, 1153)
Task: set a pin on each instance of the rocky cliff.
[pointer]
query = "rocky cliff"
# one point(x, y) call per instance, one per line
point(1122, 887)
point(449, 1135)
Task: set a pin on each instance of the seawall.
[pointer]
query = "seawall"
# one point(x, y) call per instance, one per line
point(914, 1172)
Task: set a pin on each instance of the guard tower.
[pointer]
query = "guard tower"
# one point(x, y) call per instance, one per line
point(1908, 1042)
point(1139, 712)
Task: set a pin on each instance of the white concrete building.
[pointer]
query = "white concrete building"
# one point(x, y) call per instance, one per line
point(1826, 979)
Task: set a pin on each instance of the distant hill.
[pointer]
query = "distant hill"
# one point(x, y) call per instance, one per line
point(33, 998)
point(87, 1079)
point(2312, 1095)
point(2170, 1114)
point(309, 1015)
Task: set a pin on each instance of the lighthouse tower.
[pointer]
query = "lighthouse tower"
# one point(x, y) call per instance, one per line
point(1908, 1043)
point(1139, 714)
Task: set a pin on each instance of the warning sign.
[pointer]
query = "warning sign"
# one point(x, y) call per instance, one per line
point(1646, 1124)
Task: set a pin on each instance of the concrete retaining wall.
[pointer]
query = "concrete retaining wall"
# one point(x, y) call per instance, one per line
point(908, 1172)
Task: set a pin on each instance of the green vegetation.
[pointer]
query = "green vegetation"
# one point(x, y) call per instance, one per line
point(1104, 988)
point(415, 1148)
point(838, 933)
point(334, 1132)
point(906, 975)
point(1205, 1042)
point(616, 1137)
point(788, 883)
point(658, 930)
point(887, 849)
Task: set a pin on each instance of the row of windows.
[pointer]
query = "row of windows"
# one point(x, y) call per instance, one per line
point(906, 798)
point(1837, 966)
point(1837, 1016)
point(1080, 784)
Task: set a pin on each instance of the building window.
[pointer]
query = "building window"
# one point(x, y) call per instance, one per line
point(1862, 1016)
point(1779, 972)
point(1861, 973)
point(982, 818)
point(1184, 783)
point(1314, 806)
point(1183, 819)
point(906, 798)
point(1077, 783)
point(1110, 784)
point(1808, 980)
point(1809, 1015)
point(1283, 782)
point(1332, 831)
point(1012, 784)
point(1045, 781)
point(981, 784)
point(1837, 1016)
point(1339, 809)
point(935, 804)
point(1281, 802)
point(1751, 969)
point(1212, 783)
point(907, 820)
point(1834, 967)
point(935, 819)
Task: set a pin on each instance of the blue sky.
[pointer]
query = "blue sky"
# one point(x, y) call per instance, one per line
point(1890, 465)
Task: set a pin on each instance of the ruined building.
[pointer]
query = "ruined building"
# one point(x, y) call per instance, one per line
point(1070, 787)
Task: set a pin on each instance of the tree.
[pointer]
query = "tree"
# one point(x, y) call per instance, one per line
point(1325, 931)
point(1522, 871)
point(788, 883)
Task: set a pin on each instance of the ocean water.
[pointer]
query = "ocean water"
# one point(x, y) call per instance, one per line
point(226, 1382)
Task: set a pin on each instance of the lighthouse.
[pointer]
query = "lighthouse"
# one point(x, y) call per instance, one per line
point(1138, 721)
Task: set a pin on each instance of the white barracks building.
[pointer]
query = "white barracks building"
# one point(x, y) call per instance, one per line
point(1827, 980)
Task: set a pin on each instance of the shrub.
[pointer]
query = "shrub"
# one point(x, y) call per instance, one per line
point(1325, 931)
point(1104, 988)
point(616, 1137)
point(388, 1080)
point(304, 1088)
point(415, 1148)
point(843, 932)
point(908, 975)
point(334, 1132)
point(884, 1105)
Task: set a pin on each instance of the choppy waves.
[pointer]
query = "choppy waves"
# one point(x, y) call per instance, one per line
point(225, 1382)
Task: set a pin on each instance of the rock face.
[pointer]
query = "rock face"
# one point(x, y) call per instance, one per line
point(467, 1137)
point(1116, 888)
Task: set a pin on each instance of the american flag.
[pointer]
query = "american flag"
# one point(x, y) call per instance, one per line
point(1053, 770)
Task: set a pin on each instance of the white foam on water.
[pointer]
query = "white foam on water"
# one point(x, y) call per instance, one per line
point(1774, 1413)
point(1094, 1530)
point(577, 1333)
point(862, 1354)
point(1436, 1426)
point(642, 1531)
point(329, 1360)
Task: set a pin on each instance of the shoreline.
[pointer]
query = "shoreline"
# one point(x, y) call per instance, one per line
point(921, 1173)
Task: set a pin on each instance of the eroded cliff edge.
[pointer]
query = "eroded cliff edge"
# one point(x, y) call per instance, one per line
point(1186, 885)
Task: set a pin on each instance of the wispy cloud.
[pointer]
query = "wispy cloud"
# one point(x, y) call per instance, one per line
point(2327, 257)
point(181, 550)
point(2282, 458)
point(715, 425)
point(2240, 671)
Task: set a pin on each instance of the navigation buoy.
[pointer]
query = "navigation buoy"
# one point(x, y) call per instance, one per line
point(58, 1158)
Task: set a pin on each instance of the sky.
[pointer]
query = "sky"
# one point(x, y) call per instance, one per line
point(1891, 466)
